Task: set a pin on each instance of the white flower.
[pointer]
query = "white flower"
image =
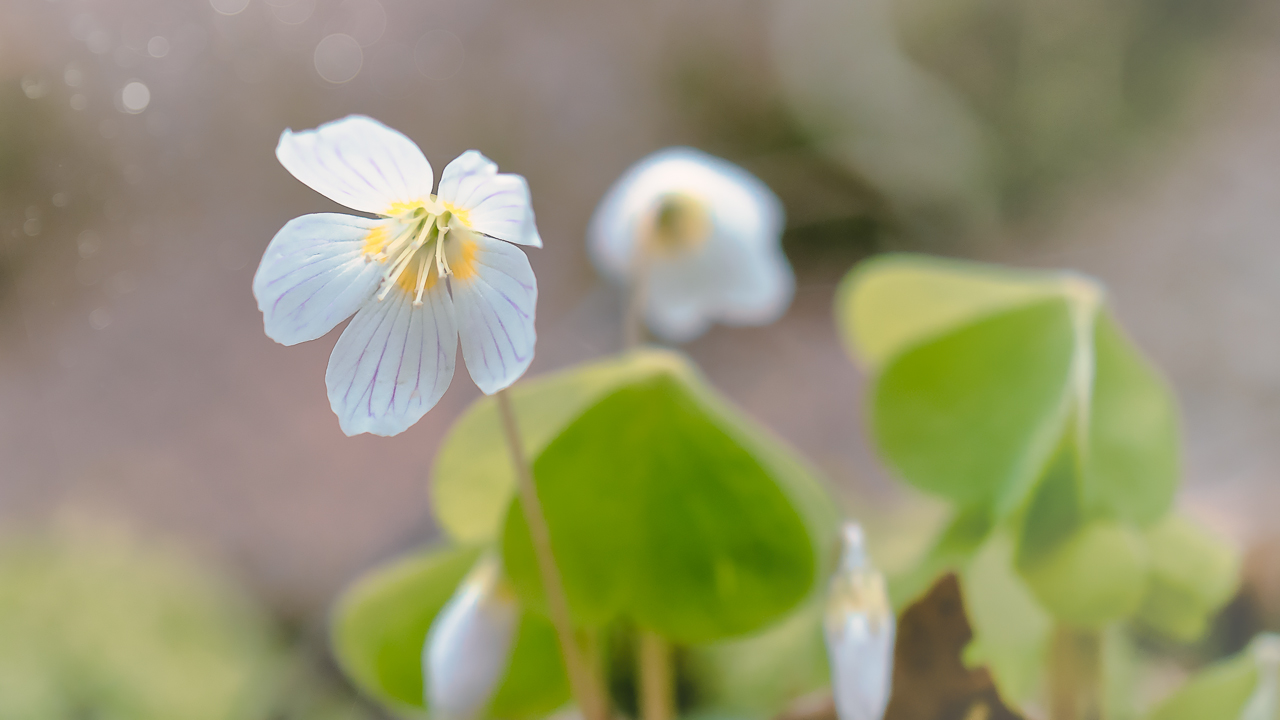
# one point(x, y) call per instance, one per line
point(469, 644)
point(701, 235)
point(428, 270)
point(859, 629)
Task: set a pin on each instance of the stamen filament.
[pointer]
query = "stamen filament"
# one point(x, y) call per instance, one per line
point(401, 263)
point(423, 226)
point(442, 262)
point(422, 281)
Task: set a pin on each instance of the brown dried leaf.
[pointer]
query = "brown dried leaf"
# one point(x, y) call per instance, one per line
point(930, 680)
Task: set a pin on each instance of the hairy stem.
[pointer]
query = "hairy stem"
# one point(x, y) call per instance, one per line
point(657, 678)
point(583, 681)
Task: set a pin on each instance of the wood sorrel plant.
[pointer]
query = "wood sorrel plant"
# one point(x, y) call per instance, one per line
point(623, 494)
point(624, 504)
point(429, 270)
point(1016, 397)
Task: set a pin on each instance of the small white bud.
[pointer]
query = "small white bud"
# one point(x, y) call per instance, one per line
point(859, 628)
point(1264, 703)
point(469, 644)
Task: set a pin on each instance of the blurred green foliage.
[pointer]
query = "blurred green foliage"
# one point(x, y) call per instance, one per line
point(1243, 687)
point(96, 623)
point(1063, 86)
point(958, 115)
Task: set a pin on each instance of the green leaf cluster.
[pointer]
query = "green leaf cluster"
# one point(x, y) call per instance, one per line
point(1016, 396)
point(666, 510)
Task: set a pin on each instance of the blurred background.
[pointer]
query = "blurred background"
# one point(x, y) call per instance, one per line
point(146, 421)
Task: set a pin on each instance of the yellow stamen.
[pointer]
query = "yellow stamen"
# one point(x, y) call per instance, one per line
point(421, 242)
point(676, 224)
point(398, 267)
point(461, 254)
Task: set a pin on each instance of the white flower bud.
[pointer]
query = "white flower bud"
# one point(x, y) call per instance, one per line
point(859, 628)
point(1264, 704)
point(469, 645)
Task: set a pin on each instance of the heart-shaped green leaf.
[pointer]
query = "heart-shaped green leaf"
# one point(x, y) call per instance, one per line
point(892, 302)
point(1221, 690)
point(660, 513)
point(380, 625)
point(1011, 630)
point(970, 416)
point(1193, 575)
point(473, 481)
point(1132, 459)
point(1097, 575)
point(982, 374)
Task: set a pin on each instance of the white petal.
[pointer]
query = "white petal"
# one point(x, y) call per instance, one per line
point(859, 629)
point(722, 281)
point(359, 162)
point(313, 276)
point(469, 645)
point(393, 362)
point(495, 296)
point(496, 204)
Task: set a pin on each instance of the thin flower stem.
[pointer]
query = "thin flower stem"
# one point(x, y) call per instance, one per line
point(657, 679)
point(1075, 674)
point(633, 324)
point(582, 680)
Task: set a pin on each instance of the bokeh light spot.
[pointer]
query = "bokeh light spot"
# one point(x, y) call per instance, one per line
point(99, 319)
point(338, 58)
point(295, 12)
point(229, 7)
point(34, 87)
point(135, 97)
point(158, 46)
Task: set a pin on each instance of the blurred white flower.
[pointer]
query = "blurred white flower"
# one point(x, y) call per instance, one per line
point(430, 269)
point(1264, 703)
point(469, 645)
point(701, 236)
point(859, 628)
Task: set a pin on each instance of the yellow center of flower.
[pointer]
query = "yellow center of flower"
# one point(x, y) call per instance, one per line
point(419, 243)
point(677, 224)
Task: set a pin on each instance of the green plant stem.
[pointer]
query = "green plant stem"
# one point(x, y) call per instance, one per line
point(583, 681)
point(1075, 674)
point(657, 679)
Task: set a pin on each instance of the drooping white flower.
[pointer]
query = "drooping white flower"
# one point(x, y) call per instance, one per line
point(859, 629)
point(702, 238)
point(469, 644)
point(428, 270)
